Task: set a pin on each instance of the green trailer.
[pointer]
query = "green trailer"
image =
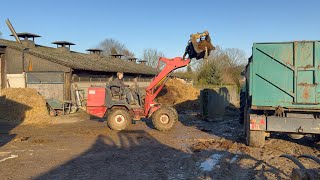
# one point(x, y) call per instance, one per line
point(282, 91)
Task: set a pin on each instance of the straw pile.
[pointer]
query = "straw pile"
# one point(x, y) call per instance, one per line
point(23, 105)
point(180, 94)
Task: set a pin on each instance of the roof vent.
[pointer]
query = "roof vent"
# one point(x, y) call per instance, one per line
point(115, 54)
point(132, 59)
point(2, 50)
point(63, 45)
point(95, 52)
point(27, 39)
point(143, 62)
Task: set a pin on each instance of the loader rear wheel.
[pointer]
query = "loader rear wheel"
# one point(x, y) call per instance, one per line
point(118, 119)
point(164, 118)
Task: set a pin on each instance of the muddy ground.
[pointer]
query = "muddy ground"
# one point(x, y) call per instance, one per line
point(75, 147)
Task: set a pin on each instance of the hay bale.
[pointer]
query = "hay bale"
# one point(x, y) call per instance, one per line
point(23, 105)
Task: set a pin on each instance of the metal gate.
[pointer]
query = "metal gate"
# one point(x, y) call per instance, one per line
point(48, 84)
point(306, 69)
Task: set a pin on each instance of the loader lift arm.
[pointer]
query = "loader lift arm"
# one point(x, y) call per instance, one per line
point(158, 82)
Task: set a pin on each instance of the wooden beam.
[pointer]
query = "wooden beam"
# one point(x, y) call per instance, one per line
point(2, 50)
point(67, 86)
point(3, 81)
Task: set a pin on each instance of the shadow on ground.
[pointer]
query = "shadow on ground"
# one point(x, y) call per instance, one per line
point(213, 113)
point(128, 155)
point(6, 125)
point(218, 116)
point(137, 155)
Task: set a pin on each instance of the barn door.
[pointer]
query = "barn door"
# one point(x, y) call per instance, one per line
point(306, 70)
point(48, 84)
point(2, 72)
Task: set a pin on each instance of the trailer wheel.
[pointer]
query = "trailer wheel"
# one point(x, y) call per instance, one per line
point(118, 119)
point(255, 138)
point(164, 118)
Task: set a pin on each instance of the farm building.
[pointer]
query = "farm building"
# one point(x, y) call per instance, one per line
point(54, 72)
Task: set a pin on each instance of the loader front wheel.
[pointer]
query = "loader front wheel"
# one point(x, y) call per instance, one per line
point(118, 119)
point(164, 118)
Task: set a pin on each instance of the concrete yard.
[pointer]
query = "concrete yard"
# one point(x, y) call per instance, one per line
point(75, 147)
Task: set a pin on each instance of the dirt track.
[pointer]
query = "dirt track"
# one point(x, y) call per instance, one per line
point(194, 149)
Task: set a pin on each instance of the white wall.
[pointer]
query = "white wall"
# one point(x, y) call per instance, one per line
point(16, 80)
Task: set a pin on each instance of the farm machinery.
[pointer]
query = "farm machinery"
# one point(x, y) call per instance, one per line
point(104, 102)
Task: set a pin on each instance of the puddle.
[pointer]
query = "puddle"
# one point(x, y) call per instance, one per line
point(211, 162)
point(234, 159)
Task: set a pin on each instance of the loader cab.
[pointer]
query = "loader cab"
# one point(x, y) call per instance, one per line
point(115, 97)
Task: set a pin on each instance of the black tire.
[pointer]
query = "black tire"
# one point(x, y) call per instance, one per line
point(52, 112)
point(174, 111)
point(242, 107)
point(165, 118)
point(118, 119)
point(255, 138)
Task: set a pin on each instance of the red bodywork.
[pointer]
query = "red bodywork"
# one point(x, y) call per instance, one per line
point(97, 95)
point(158, 82)
point(96, 101)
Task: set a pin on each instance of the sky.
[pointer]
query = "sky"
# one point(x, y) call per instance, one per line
point(163, 24)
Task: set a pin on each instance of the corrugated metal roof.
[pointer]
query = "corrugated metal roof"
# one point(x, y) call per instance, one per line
point(76, 60)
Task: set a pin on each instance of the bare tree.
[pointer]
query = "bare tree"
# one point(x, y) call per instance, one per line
point(216, 54)
point(152, 56)
point(0, 34)
point(236, 56)
point(109, 43)
point(226, 64)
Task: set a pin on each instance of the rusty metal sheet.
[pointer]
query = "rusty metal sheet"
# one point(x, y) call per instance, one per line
point(285, 74)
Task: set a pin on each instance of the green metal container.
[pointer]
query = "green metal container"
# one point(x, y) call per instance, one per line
point(282, 92)
point(285, 74)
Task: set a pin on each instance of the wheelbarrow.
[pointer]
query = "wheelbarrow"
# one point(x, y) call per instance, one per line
point(56, 107)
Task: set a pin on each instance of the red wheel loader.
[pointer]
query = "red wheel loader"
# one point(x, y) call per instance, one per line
point(103, 102)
